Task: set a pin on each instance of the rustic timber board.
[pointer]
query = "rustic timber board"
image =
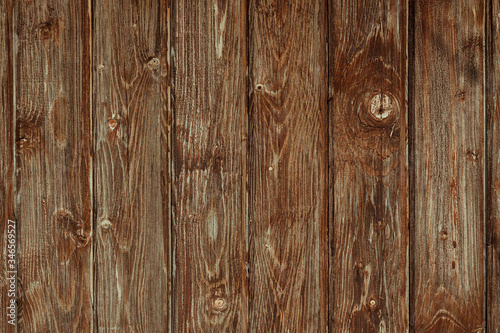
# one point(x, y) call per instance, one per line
point(250, 166)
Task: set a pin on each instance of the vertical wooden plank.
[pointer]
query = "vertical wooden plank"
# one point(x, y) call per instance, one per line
point(368, 117)
point(288, 173)
point(493, 165)
point(132, 162)
point(8, 323)
point(448, 124)
point(210, 130)
point(53, 164)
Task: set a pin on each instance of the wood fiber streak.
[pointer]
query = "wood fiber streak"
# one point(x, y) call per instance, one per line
point(368, 145)
point(132, 162)
point(448, 122)
point(288, 174)
point(6, 153)
point(493, 167)
point(53, 161)
point(209, 156)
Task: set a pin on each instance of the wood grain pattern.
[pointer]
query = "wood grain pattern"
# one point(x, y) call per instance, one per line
point(209, 156)
point(251, 166)
point(132, 162)
point(288, 174)
point(448, 122)
point(6, 155)
point(368, 124)
point(493, 166)
point(53, 144)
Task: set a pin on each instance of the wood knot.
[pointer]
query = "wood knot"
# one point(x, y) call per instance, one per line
point(68, 233)
point(444, 235)
point(112, 123)
point(460, 95)
point(50, 29)
point(259, 87)
point(28, 135)
point(472, 155)
point(381, 106)
point(217, 302)
point(44, 30)
point(373, 304)
point(378, 110)
point(106, 224)
point(154, 63)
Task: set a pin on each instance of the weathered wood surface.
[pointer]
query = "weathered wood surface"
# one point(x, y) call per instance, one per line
point(447, 293)
point(251, 166)
point(493, 166)
point(6, 154)
point(132, 165)
point(288, 173)
point(53, 161)
point(209, 96)
point(368, 159)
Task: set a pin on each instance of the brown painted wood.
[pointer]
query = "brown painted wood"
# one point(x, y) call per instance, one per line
point(448, 122)
point(209, 163)
point(53, 145)
point(132, 165)
point(493, 166)
point(288, 173)
point(6, 164)
point(368, 159)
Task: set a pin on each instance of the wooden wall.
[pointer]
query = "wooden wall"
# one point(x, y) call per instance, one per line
point(251, 165)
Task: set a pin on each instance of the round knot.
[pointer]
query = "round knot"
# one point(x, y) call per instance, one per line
point(373, 303)
point(381, 106)
point(112, 124)
point(154, 63)
point(106, 224)
point(44, 29)
point(377, 109)
point(219, 303)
